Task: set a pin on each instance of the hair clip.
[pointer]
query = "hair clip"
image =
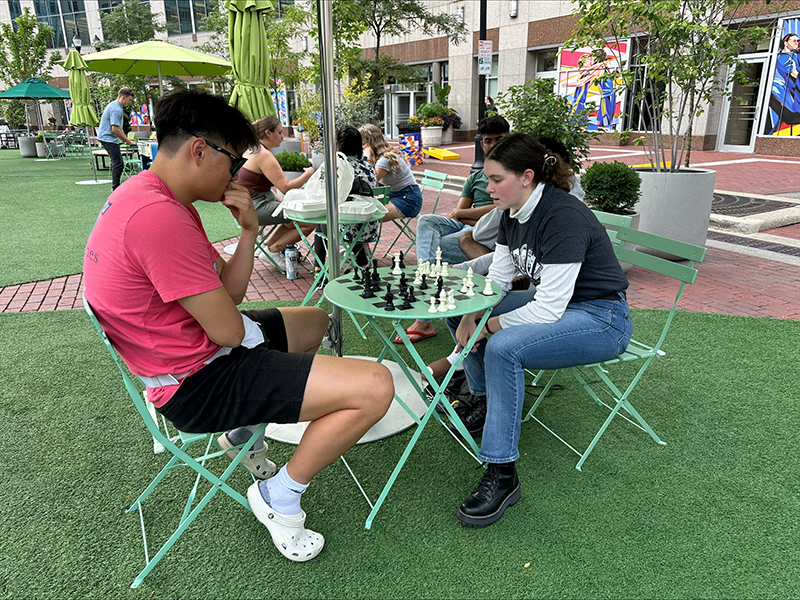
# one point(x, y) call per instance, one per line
point(549, 159)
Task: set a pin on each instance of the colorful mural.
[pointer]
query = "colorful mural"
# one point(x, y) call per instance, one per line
point(783, 114)
point(581, 78)
point(279, 99)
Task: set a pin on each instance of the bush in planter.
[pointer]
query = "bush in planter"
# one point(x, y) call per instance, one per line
point(611, 187)
point(293, 161)
point(450, 118)
point(429, 110)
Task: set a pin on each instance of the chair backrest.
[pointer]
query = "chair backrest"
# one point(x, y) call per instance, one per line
point(682, 250)
point(612, 222)
point(382, 193)
point(433, 179)
point(133, 391)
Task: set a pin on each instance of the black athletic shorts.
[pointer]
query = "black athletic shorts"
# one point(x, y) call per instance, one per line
point(249, 386)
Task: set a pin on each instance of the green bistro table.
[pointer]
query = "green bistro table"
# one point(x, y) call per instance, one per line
point(345, 293)
point(347, 255)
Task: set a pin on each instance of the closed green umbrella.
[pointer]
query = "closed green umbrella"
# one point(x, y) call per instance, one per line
point(83, 112)
point(248, 48)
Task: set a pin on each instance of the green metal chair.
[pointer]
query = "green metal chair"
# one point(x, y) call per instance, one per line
point(619, 401)
point(132, 165)
point(178, 445)
point(430, 179)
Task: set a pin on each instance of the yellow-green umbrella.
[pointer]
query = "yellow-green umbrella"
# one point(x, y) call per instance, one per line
point(248, 49)
point(83, 112)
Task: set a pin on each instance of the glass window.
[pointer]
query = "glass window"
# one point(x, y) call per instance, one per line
point(645, 103)
point(546, 60)
point(15, 10)
point(491, 79)
point(179, 15)
point(445, 72)
point(282, 5)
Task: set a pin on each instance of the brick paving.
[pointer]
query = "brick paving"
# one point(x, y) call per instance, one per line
point(729, 282)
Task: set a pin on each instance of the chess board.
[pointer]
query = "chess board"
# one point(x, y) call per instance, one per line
point(346, 292)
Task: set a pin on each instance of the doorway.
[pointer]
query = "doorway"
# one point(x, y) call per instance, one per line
point(742, 109)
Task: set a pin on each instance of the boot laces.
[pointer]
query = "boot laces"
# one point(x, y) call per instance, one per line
point(488, 482)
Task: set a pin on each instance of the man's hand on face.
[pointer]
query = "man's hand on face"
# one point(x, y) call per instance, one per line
point(237, 199)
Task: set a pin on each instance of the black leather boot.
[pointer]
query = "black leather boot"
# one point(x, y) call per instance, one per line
point(472, 413)
point(497, 490)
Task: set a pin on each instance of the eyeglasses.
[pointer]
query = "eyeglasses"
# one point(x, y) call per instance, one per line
point(237, 162)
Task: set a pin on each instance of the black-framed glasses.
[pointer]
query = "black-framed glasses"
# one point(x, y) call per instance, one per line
point(237, 162)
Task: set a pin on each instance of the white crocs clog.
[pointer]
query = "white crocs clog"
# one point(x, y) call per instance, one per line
point(288, 532)
point(254, 461)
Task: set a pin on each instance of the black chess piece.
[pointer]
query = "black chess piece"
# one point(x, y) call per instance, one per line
point(403, 285)
point(410, 294)
point(357, 274)
point(367, 293)
point(424, 284)
point(439, 285)
point(375, 275)
point(389, 298)
point(406, 303)
point(402, 258)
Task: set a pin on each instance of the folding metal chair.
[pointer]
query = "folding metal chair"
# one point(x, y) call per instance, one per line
point(619, 403)
point(178, 445)
point(430, 179)
point(132, 165)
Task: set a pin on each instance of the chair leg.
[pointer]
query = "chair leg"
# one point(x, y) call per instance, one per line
point(542, 395)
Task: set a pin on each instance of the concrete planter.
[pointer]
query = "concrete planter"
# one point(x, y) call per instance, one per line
point(676, 205)
point(447, 136)
point(27, 146)
point(431, 137)
point(41, 150)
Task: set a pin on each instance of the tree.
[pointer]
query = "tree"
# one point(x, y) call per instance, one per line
point(23, 53)
point(688, 44)
point(129, 22)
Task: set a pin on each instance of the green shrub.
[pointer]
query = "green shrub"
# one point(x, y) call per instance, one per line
point(429, 110)
point(292, 161)
point(611, 187)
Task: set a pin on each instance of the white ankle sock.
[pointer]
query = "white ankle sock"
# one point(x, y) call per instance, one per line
point(282, 492)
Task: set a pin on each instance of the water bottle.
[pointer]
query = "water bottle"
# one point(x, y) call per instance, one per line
point(292, 255)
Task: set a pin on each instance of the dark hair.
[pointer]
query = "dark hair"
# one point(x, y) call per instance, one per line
point(554, 145)
point(519, 152)
point(350, 142)
point(125, 91)
point(489, 98)
point(493, 125)
point(785, 39)
point(183, 113)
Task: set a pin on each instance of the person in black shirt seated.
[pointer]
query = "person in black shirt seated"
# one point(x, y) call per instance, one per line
point(576, 314)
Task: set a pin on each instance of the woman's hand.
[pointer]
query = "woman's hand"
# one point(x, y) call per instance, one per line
point(465, 330)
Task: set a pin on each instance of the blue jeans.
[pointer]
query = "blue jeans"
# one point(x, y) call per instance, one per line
point(434, 232)
point(587, 332)
point(408, 200)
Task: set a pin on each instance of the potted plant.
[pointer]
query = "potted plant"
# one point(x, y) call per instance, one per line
point(534, 108)
point(613, 187)
point(450, 118)
point(688, 44)
point(292, 163)
point(429, 116)
point(27, 145)
point(41, 146)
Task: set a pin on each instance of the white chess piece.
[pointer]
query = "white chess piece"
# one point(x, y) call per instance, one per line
point(443, 271)
point(470, 285)
point(464, 288)
point(451, 301)
point(418, 275)
point(442, 301)
point(397, 270)
point(432, 309)
point(487, 289)
point(438, 255)
point(470, 273)
point(426, 268)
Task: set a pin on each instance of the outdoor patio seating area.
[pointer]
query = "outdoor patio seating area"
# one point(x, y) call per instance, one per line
point(710, 514)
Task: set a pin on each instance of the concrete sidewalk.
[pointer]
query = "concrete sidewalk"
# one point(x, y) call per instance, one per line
point(755, 274)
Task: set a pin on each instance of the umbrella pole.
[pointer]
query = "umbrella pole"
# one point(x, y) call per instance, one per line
point(325, 20)
point(160, 86)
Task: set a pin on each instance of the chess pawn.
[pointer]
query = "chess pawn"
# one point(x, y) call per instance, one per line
point(432, 309)
point(464, 286)
point(423, 284)
point(427, 268)
point(443, 272)
point(451, 300)
point(418, 276)
point(470, 292)
point(442, 301)
point(487, 289)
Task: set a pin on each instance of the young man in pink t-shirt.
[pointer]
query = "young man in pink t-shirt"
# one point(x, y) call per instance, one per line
point(167, 300)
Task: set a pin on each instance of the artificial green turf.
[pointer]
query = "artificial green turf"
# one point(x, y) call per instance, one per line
point(46, 217)
point(711, 515)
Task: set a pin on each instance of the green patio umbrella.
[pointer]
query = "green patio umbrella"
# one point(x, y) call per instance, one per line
point(82, 110)
point(156, 58)
point(34, 89)
point(248, 48)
